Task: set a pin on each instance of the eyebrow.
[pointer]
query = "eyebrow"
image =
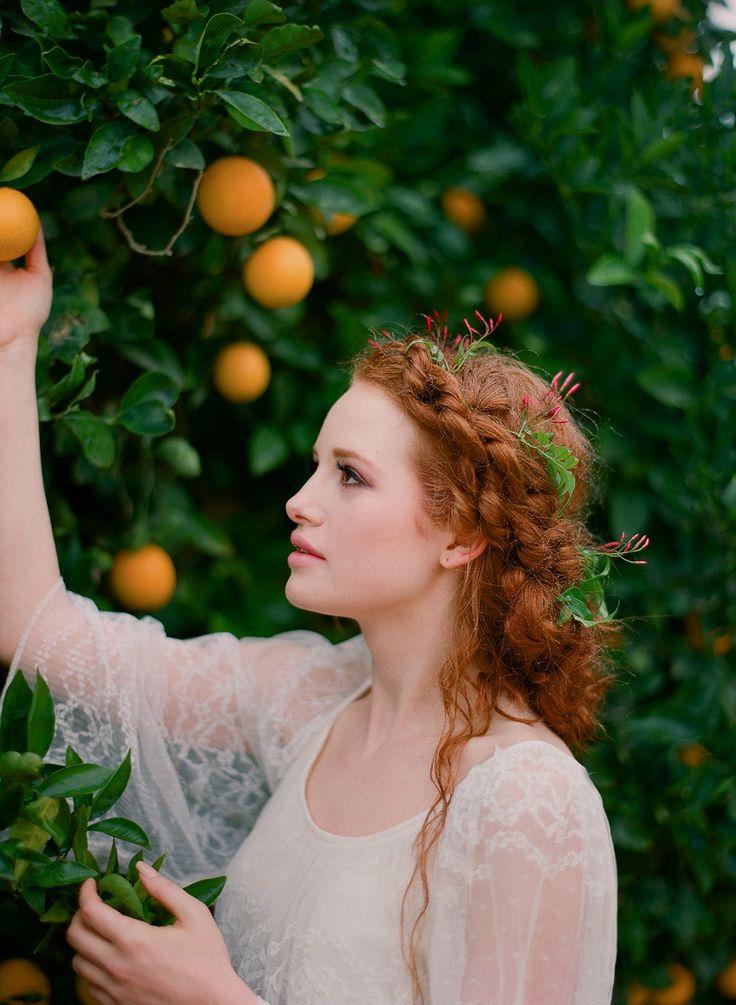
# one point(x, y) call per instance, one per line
point(337, 452)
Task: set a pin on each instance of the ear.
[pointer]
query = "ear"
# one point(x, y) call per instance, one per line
point(461, 554)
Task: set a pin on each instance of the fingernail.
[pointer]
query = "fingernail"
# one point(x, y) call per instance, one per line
point(146, 869)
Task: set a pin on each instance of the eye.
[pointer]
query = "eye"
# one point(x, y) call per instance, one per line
point(312, 465)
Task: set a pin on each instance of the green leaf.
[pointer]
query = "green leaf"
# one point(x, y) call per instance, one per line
point(123, 897)
point(123, 59)
point(180, 456)
point(70, 381)
point(333, 196)
point(639, 223)
point(68, 67)
point(267, 449)
point(136, 154)
point(668, 287)
point(49, 15)
point(125, 830)
point(186, 155)
point(365, 99)
point(79, 779)
point(207, 890)
point(262, 12)
point(661, 148)
point(47, 99)
point(14, 715)
point(59, 912)
point(11, 801)
point(112, 791)
point(181, 12)
point(59, 874)
point(252, 113)
point(157, 355)
point(104, 149)
point(288, 38)
point(138, 109)
point(145, 408)
point(695, 260)
point(608, 270)
point(95, 436)
point(218, 28)
point(671, 387)
point(18, 165)
point(80, 819)
point(41, 719)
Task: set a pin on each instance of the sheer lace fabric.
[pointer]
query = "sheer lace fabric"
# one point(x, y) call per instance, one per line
point(223, 731)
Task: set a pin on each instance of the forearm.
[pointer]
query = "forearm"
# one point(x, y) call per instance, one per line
point(29, 564)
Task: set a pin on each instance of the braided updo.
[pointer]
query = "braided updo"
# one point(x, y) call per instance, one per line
point(479, 481)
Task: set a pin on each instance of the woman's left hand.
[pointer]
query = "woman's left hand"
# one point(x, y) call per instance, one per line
point(129, 962)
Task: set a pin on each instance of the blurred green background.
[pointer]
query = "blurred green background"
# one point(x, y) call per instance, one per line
point(577, 145)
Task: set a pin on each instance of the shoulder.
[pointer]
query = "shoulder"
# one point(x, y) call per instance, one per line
point(530, 796)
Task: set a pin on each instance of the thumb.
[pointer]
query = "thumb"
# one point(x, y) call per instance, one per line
point(166, 892)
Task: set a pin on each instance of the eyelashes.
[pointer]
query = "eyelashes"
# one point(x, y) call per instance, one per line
point(311, 466)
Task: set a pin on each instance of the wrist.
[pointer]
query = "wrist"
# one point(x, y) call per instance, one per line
point(237, 992)
point(22, 348)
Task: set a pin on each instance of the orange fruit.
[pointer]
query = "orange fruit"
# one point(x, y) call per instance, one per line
point(144, 578)
point(693, 754)
point(686, 64)
point(721, 645)
point(513, 291)
point(19, 224)
point(464, 208)
point(694, 629)
point(279, 273)
point(684, 39)
point(19, 977)
point(660, 10)
point(637, 994)
point(242, 371)
point(679, 992)
point(725, 982)
point(83, 993)
point(235, 196)
point(337, 222)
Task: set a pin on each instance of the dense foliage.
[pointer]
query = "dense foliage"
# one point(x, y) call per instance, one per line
point(605, 177)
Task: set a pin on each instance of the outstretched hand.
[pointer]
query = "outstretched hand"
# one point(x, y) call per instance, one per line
point(129, 962)
point(25, 295)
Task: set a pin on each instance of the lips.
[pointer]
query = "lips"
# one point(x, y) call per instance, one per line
point(300, 542)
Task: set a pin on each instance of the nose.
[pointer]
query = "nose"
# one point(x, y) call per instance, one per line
point(300, 511)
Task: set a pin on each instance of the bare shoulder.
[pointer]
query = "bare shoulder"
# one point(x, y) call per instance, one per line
point(505, 733)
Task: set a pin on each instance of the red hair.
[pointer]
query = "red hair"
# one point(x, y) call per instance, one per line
point(479, 481)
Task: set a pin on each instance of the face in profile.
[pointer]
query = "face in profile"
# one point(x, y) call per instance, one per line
point(361, 510)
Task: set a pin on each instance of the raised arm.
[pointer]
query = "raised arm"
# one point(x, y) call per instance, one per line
point(212, 721)
point(28, 562)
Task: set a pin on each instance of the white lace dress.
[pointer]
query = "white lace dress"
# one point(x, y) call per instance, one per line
point(223, 732)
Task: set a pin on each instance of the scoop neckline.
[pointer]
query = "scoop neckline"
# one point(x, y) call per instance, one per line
point(322, 736)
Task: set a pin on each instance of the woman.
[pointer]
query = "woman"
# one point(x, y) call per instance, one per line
point(430, 836)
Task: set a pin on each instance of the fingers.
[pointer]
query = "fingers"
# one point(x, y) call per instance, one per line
point(98, 917)
point(36, 260)
point(95, 977)
point(88, 944)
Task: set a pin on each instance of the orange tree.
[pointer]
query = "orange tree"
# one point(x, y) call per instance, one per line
point(573, 169)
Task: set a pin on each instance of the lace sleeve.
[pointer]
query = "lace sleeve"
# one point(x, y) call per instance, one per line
point(525, 891)
point(211, 722)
